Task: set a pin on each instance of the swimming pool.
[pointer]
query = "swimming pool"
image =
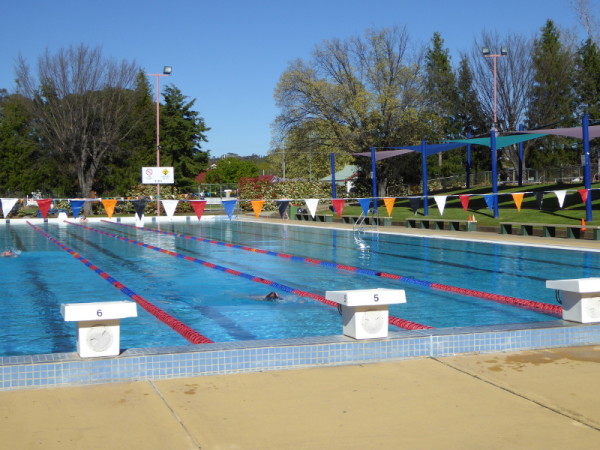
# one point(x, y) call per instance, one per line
point(225, 307)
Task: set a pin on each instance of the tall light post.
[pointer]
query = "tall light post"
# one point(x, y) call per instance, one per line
point(488, 54)
point(166, 72)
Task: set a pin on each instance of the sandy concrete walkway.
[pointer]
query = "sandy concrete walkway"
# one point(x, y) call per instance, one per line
point(529, 400)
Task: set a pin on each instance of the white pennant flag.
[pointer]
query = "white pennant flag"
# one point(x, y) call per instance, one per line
point(440, 201)
point(560, 195)
point(170, 206)
point(7, 205)
point(312, 203)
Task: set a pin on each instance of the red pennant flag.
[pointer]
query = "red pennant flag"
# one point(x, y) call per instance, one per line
point(198, 206)
point(584, 195)
point(44, 205)
point(464, 201)
point(338, 205)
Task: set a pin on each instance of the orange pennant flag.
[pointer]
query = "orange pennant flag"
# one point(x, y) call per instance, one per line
point(257, 206)
point(109, 206)
point(389, 205)
point(518, 199)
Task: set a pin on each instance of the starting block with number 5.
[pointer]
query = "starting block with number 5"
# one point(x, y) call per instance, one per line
point(365, 311)
point(98, 325)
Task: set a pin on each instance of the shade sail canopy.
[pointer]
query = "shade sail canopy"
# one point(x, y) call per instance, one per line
point(430, 149)
point(574, 132)
point(503, 141)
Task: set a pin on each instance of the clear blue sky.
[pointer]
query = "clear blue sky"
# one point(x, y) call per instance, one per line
point(229, 55)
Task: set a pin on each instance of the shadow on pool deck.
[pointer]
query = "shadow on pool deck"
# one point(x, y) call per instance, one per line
point(534, 399)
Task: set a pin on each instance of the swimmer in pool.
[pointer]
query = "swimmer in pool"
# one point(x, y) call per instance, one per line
point(272, 296)
point(8, 254)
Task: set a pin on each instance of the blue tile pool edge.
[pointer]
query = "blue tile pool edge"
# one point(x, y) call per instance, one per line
point(68, 369)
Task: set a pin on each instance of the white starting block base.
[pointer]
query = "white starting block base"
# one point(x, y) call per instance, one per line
point(98, 325)
point(365, 312)
point(580, 298)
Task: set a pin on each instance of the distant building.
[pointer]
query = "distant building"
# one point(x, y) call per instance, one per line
point(344, 177)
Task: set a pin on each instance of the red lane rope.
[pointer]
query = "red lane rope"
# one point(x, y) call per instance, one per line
point(188, 333)
point(402, 323)
point(545, 308)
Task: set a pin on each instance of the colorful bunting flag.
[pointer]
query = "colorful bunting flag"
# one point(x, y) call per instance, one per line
point(539, 199)
point(464, 201)
point(560, 195)
point(257, 206)
point(414, 203)
point(282, 206)
point(440, 201)
point(139, 206)
point(7, 205)
point(584, 194)
point(489, 201)
point(338, 205)
point(311, 204)
point(76, 206)
point(389, 205)
point(44, 205)
point(198, 206)
point(365, 204)
point(229, 206)
point(170, 207)
point(518, 199)
point(109, 206)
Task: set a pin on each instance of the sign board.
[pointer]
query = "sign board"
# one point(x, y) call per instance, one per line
point(157, 175)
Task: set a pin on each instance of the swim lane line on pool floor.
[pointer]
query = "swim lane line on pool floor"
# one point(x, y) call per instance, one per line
point(546, 308)
point(393, 320)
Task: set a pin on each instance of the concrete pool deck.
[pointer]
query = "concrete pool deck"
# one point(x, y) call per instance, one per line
point(529, 399)
point(534, 399)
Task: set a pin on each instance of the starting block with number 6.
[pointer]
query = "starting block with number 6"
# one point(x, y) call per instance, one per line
point(98, 325)
point(365, 311)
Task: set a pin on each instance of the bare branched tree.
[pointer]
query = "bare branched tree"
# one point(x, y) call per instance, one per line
point(587, 19)
point(514, 81)
point(82, 103)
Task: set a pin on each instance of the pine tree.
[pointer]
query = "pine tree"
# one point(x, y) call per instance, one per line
point(587, 84)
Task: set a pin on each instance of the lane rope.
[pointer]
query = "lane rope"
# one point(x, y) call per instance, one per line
point(396, 321)
point(546, 308)
point(188, 333)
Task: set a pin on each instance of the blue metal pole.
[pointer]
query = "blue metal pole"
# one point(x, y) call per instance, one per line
point(588, 173)
point(424, 169)
point(333, 189)
point(494, 171)
point(468, 162)
point(521, 128)
point(374, 179)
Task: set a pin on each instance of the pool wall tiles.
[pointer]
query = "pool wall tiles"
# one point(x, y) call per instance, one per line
point(67, 369)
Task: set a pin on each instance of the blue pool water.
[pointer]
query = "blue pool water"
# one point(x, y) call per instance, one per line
point(225, 307)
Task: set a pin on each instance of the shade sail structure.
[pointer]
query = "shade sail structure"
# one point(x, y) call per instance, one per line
point(386, 153)
point(504, 141)
point(428, 149)
point(574, 132)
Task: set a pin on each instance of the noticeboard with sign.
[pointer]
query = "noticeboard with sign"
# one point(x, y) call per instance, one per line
point(157, 175)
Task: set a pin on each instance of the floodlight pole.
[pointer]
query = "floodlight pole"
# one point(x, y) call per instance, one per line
point(166, 72)
point(487, 54)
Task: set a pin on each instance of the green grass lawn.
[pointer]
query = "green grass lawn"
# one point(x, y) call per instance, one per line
point(572, 212)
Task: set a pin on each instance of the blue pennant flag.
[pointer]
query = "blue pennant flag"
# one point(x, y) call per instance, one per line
point(489, 201)
point(365, 204)
point(76, 206)
point(229, 206)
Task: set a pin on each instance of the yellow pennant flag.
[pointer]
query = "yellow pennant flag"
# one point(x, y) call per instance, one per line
point(518, 199)
point(389, 204)
point(257, 206)
point(109, 206)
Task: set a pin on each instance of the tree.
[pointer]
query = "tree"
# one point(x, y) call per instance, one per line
point(23, 167)
point(587, 74)
point(230, 170)
point(360, 93)
point(182, 132)
point(83, 104)
point(552, 97)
